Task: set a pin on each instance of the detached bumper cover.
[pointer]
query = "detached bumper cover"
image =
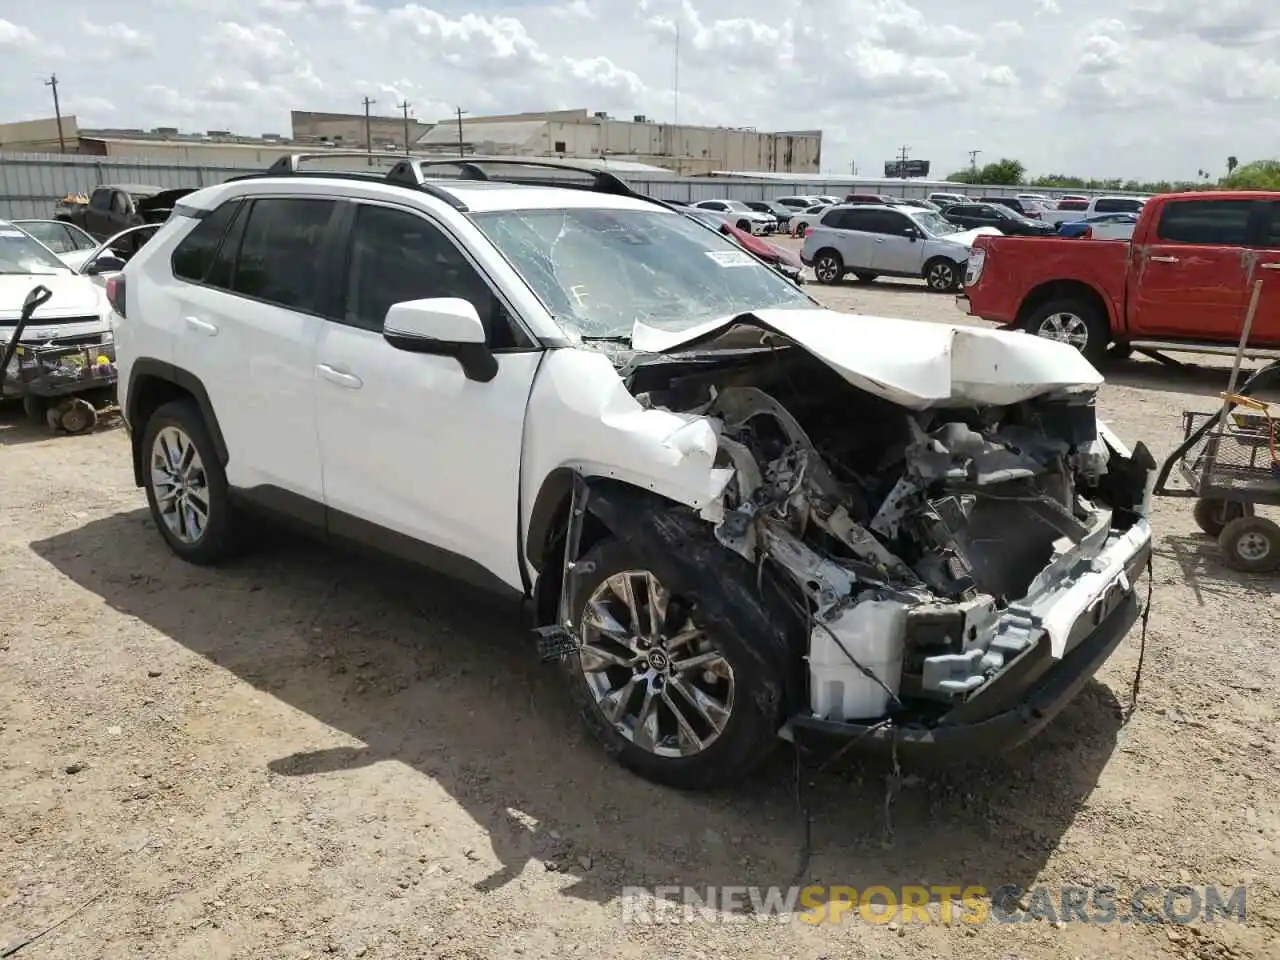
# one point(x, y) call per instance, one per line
point(1016, 705)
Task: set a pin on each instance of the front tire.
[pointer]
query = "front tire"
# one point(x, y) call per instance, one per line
point(942, 275)
point(665, 698)
point(1074, 322)
point(187, 487)
point(828, 267)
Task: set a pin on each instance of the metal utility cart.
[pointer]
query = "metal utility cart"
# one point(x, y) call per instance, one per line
point(65, 385)
point(1230, 459)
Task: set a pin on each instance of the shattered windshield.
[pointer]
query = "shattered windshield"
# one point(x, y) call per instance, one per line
point(933, 223)
point(599, 271)
point(19, 254)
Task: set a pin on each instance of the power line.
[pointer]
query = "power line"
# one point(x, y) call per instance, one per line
point(405, 107)
point(368, 136)
point(57, 111)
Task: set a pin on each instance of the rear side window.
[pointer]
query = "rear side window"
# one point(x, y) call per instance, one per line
point(1211, 222)
point(1117, 205)
point(193, 257)
point(284, 240)
point(1073, 205)
point(839, 219)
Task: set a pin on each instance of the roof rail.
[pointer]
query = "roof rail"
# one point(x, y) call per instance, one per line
point(412, 171)
point(287, 166)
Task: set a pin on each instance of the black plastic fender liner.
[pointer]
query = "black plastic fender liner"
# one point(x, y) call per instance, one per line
point(732, 596)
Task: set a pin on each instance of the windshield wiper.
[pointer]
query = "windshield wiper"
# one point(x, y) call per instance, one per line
point(616, 338)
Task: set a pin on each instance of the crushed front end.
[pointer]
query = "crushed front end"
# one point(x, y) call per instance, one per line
point(956, 574)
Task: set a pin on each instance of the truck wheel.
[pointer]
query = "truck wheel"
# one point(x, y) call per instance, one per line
point(187, 487)
point(666, 698)
point(828, 267)
point(1211, 514)
point(1251, 544)
point(943, 275)
point(1074, 322)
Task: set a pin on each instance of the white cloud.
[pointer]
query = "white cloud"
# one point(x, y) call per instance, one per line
point(1094, 86)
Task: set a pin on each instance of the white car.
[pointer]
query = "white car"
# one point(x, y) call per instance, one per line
point(1068, 211)
point(797, 203)
point(736, 516)
point(77, 310)
point(72, 244)
point(871, 241)
point(804, 219)
point(740, 215)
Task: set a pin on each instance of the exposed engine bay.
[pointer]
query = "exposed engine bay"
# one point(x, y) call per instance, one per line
point(922, 549)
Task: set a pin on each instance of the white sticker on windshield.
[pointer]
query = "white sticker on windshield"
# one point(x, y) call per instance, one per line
point(730, 258)
point(12, 233)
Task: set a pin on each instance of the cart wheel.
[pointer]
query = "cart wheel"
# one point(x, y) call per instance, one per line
point(78, 417)
point(33, 407)
point(1212, 514)
point(1251, 544)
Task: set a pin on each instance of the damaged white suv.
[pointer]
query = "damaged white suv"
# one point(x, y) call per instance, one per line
point(737, 515)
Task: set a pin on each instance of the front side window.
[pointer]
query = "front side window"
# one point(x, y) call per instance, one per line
point(397, 256)
point(280, 253)
point(101, 200)
point(599, 272)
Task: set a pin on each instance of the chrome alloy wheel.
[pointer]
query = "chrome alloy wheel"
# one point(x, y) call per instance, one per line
point(657, 677)
point(180, 486)
point(826, 269)
point(941, 276)
point(1065, 328)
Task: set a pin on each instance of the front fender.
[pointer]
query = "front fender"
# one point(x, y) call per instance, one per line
point(581, 420)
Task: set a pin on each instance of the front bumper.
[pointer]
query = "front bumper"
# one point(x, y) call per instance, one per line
point(1020, 702)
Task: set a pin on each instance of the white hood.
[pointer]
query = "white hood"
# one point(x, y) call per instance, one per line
point(966, 237)
point(910, 362)
point(73, 296)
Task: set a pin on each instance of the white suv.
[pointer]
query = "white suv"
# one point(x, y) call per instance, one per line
point(736, 515)
point(870, 241)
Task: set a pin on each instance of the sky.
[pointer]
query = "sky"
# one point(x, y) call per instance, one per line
point(1144, 89)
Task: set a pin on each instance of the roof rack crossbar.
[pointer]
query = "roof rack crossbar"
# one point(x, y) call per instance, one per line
point(602, 181)
point(288, 165)
point(290, 162)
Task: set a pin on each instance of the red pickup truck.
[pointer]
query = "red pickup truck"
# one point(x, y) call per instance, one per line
point(1181, 283)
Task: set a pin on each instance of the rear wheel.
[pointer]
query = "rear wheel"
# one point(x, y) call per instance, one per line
point(744, 226)
point(1073, 322)
point(1211, 515)
point(666, 698)
point(1251, 544)
point(828, 267)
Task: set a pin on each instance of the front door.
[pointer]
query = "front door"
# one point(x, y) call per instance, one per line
point(897, 248)
point(1189, 281)
point(414, 452)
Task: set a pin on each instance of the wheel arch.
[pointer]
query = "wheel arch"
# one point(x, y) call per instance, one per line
point(153, 383)
point(1064, 290)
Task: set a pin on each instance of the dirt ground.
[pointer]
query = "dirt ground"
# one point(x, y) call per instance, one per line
point(306, 755)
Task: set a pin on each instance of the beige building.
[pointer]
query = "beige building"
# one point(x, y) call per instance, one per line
point(40, 136)
point(348, 129)
point(576, 133)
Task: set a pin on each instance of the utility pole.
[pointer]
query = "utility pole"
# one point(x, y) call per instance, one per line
point(675, 83)
point(973, 160)
point(405, 107)
point(853, 168)
point(462, 150)
point(368, 137)
point(57, 111)
point(902, 160)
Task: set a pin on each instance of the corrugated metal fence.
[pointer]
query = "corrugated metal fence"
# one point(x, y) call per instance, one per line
point(32, 183)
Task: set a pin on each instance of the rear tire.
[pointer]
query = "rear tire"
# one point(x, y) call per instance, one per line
point(828, 267)
point(744, 738)
point(1212, 515)
point(192, 508)
point(1072, 321)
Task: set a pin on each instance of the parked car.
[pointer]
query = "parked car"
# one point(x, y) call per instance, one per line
point(871, 241)
point(743, 217)
point(1002, 218)
point(797, 203)
point(1029, 209)
point(693, 559)
point(826, 198)
point(1181, 283)
point(1068, 210)
point(914, 202)
point(72, 244)
point(866, 198)
point(803, 220)
point(781, 214)
point(77, 313)
point(942, 197)
point(115, 207)
point(1102, 226)
point(785, 261)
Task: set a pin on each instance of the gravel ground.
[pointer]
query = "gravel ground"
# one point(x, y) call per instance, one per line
point(303, 755)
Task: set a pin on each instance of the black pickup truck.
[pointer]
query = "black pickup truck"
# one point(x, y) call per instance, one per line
point(115, 207)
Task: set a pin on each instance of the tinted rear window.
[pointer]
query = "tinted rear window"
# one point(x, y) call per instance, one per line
point(1117, 205)
point(1211, 222)
point(194, 255)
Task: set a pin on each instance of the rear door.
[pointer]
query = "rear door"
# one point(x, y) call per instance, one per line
point(1189, 281)
point(850, 237)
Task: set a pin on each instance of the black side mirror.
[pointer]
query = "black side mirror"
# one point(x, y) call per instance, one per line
point(104, 264)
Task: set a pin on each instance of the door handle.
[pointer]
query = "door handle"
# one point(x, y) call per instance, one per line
point(339, 377)
point(201, 326)
point(1164, 259)
point(879, 239)
point(1270, 266)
